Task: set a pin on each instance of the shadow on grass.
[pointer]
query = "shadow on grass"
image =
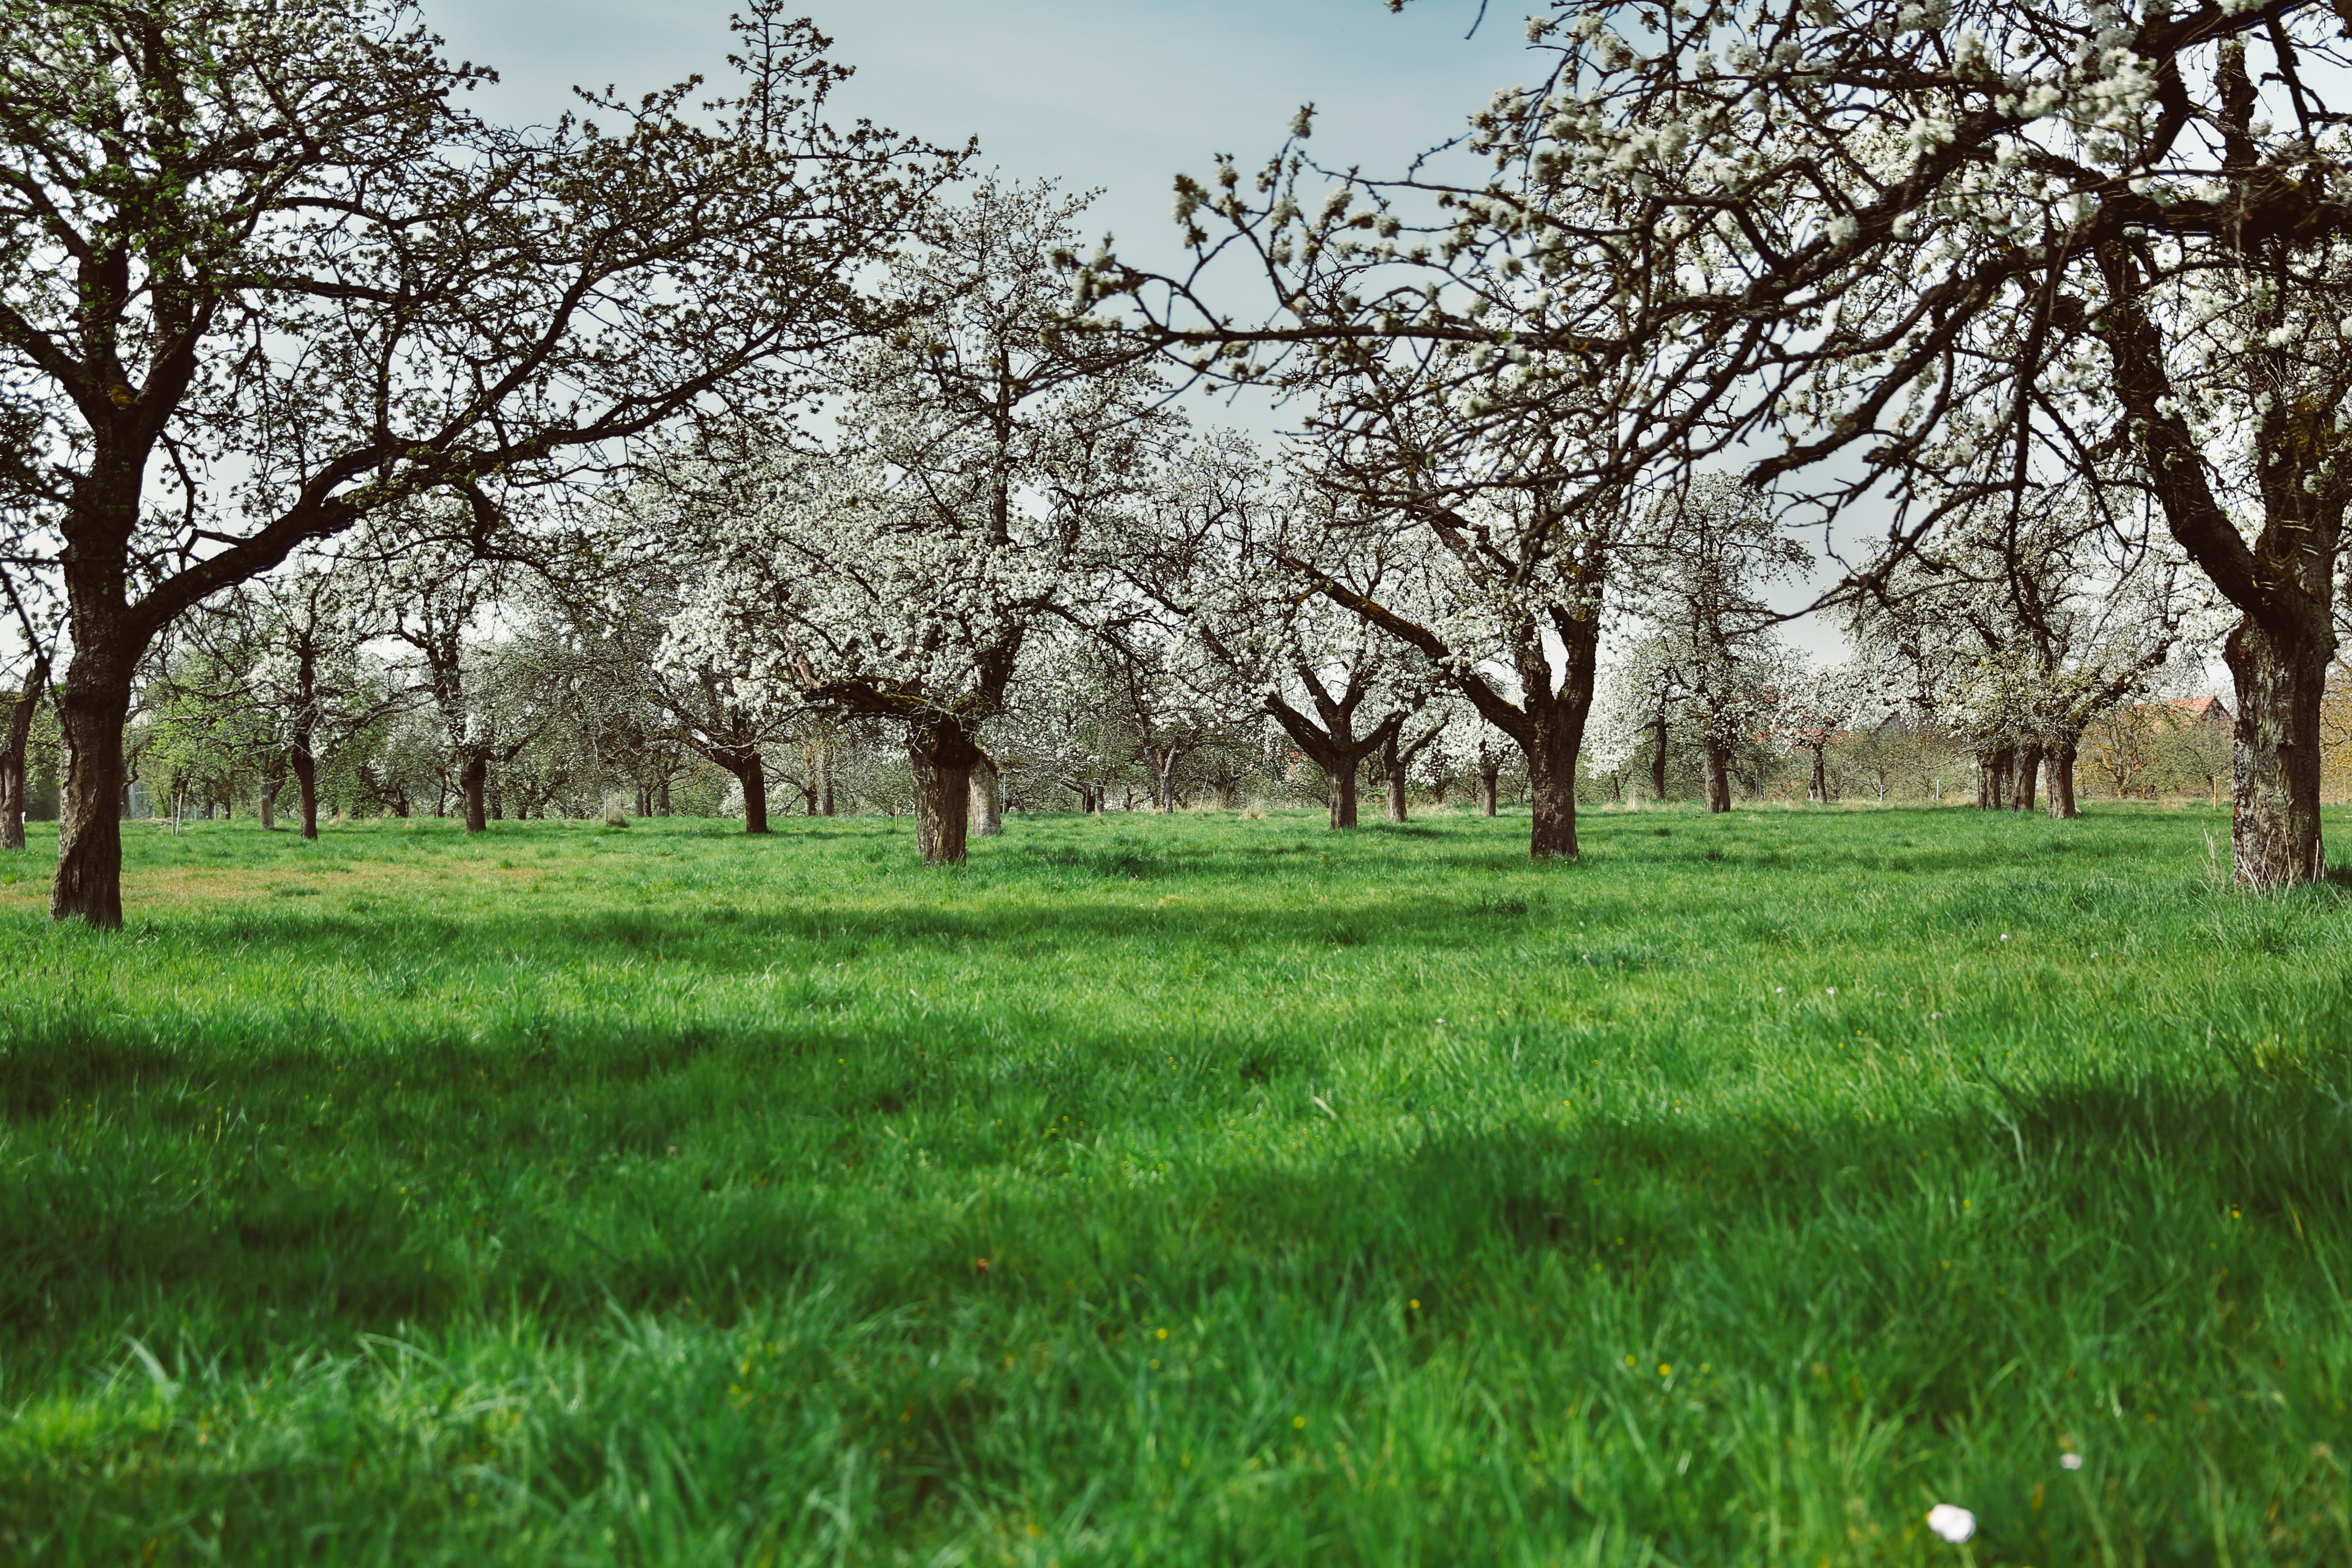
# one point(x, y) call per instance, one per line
point(554, 1177)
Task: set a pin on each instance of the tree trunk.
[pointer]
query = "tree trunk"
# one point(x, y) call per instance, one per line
point(1343, 793)
point(1392, 771)
point(91, 709)
point(1551, 789)
point(1334, 748)
point(473, 775)
point(1818, 789)
point(1718, 775)
point(306, 786)
point(1489, 780)
point(661, 797)
point(1222, 793)
point(751, 772)
point(644, 801)
point(942, 757)
point(1994, 771)
point(987, 798)
point(2275, 839)
point(12, 800)
point(2061, 765)
point(12, 755)
point(2029, 773)
point(1658, 762)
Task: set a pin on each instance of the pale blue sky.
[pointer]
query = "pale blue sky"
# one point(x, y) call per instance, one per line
point(1116, 93)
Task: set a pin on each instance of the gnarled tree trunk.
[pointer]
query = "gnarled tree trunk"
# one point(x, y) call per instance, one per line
point(1718, 775)
point(2275, 838)
point(12, 755)
point(1489, 780)
point(1392, 776)
point(91, 709)
point(474, 776)
point(1658, 760)
point(1343, 793)
point(1551, 787)
point(751, 772)
point(987, 798)
point(306, 784)
point(1993, 770)
point(2029, 773)
point(2060, 763)
point(941, 754)
point(1334, 748)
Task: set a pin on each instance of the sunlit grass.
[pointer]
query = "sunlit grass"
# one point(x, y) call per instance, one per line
point(1178, 1190)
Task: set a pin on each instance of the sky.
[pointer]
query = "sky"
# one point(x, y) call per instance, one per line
point(1120, 95)
point(1116, 94)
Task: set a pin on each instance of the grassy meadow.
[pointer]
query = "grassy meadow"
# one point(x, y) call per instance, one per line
point(1180, 1190)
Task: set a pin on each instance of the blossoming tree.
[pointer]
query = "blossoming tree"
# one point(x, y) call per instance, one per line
point(267, 275)
point(1859, 246)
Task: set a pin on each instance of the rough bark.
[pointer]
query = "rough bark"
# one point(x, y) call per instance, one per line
point(1551, 790)
point(1993, 770)
point(2060, 763)
point(474, 776)
point(1163, 777)
point(12, 800)
point(661, 799)
point(91, 709)
point(942, 755)
point(1489, 780)
point(2275, 838)
point(1817, 789)
point(12, 755)
point(1658, 760)
point(1343, 795)
point(2029, 774)
point(1718, 775)
point(987, 787)
point(751, 772)
point(306, 786)
point(1392, 774)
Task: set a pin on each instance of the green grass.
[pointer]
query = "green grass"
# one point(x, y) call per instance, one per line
point(1179, 1191)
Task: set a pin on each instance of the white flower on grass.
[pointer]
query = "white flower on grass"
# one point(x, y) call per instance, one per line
point(2070, 1462)
point(1832, 990)
point(1950, 1524)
